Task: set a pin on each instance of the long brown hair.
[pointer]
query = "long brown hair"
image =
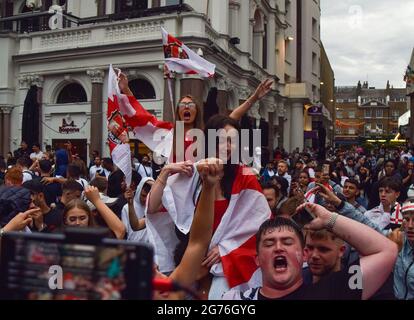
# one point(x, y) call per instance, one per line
point(197, 120)
point(80, 204)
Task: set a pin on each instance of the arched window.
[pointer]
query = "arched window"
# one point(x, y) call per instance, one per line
point(142, 89)
point(258, 35)
point(72, 93)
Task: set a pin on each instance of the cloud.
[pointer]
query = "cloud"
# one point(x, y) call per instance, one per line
point(368, 39)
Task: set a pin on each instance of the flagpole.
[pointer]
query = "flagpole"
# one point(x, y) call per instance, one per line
point(170, 91)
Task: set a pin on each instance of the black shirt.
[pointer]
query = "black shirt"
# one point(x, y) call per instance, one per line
point(54, 219)
point(333, 287)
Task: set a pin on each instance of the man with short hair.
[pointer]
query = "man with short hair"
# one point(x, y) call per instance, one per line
point(23, 151)
point(271, 192)
point(70, 190)
point(324, 251)
point(13, 177)
point(52, 191)
point(23, 164)
point(37, 153)
point(37, 192)
point(351, 192)
point(388, 191)
point(280, 256)
point(144, 168)
point(96, 169)
point(282, 171)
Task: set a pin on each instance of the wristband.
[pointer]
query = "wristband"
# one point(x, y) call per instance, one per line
point(331, 223)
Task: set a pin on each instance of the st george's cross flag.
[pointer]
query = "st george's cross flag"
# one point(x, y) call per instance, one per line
point(235, 235)
point(181, 59)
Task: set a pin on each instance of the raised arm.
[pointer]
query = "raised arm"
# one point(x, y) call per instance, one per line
point(155, 196)
point(202, 227)
point(110, 218)
point(262, 90)
point(378, 254)
point(136, 224)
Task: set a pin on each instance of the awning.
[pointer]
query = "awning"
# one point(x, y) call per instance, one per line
point(404, 120)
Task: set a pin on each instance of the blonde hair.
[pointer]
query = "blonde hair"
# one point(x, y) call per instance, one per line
point(80, 204)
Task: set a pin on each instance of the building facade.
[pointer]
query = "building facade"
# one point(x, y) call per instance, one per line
point(366, 113)
point(60, 67)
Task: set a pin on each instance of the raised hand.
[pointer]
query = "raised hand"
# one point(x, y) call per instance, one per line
point(210, 171)
point(321, 215)
point(180, 167)
point(263, 89)
point(129, 195)
point(92, 194)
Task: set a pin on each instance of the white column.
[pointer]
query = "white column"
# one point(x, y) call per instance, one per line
point(220, 16)
point(234, 19)
point(271, 43)
point(296, 132)
point(245, 26)
point(286, 128)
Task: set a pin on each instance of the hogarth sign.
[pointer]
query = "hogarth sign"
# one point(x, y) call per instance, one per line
point(68, 128)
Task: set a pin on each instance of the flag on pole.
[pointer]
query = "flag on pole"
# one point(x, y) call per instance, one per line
point(156, 135)
point(117, 129)
point(181, 59)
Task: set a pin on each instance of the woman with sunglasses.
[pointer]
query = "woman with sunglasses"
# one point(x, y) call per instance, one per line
point(188, 111)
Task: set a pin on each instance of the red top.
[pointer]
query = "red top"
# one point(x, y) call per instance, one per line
point(220, 208)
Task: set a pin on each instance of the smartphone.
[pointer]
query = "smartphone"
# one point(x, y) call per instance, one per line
point(303, 217)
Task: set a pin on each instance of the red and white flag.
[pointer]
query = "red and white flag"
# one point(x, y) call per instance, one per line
point(235, 235)
point(156, 135)
point(117, 129)
point(181, 59)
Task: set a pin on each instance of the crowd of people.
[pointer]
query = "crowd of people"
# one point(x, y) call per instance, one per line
point(361, 205)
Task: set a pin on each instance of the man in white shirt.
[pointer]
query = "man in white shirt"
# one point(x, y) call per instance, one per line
point(144, 168)
point(37, 154)
point(96, 169)
point(282, 171)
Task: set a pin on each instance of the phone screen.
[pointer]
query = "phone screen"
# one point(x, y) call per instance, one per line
point(303, 218)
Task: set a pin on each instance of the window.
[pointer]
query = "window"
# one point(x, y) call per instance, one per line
point(368, 114)
point(314, 63)
point(264, 53)
point(131, 5)
point(395, 113)
point(380, 128)
point(340, 100)
point(172, 2)
point(339, 115)
point(314, 28)
point(380, 113)
point(142, 89)
point(351, 131)
point(72, 93)
point(338, 131)
point(351, 114)
point(367, 129)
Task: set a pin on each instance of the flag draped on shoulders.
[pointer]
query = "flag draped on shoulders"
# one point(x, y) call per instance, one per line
point(181, 59)
point(235, 235)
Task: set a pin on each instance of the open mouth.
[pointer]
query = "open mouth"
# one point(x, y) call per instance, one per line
point(187, 115)
point(280, 263)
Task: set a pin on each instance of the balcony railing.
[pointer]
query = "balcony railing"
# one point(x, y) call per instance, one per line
point(39, 21)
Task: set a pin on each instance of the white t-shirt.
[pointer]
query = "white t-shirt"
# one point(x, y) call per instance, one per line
point(94, 170)
point(27, 176)
point(36, 156)
point(145, 172)
point(82, 182)
point(136, 236)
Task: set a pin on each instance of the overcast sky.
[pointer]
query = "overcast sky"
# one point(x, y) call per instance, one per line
point(368, 39)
